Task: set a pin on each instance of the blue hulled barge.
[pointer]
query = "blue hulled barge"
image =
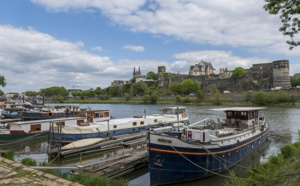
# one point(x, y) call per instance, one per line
point(206, 147)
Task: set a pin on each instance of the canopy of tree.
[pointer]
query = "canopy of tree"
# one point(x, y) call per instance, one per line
point(32, 93)
point(295, 82)
point(186, 87)
point(2, 81)
point(140, 88)
point(1, 93)
point(289, 11)
point(152, 75)
point(54, 91)
point(98, 91)
point(238, 72)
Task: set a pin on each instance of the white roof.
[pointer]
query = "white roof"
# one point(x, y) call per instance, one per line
point(239, 109)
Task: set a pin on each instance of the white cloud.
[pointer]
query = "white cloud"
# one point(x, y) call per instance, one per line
point(98, 48)
point(134, 48)
point(218, 22)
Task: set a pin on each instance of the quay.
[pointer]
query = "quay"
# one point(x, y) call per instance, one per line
point(14, 173)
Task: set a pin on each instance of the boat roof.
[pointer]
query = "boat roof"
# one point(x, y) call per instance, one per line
point(173, 108)
point(47, 120)
point(239, 109)
point(92, 111)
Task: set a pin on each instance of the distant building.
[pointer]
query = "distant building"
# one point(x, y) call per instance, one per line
point(296, 76)
point(10, 95)
point(202, 69)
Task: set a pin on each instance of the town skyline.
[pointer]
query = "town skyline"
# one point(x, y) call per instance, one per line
point(88, 44)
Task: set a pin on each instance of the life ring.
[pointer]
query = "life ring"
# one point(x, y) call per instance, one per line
point(182, 137)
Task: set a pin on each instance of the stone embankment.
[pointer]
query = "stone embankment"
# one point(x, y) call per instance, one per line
point(14, 173)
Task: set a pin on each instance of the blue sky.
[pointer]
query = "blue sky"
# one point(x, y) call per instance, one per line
point(90, 43)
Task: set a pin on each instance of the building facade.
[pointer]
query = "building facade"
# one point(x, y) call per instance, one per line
point(202, 69)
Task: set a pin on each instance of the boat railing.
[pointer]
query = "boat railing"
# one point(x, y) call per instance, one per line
point(198, 122)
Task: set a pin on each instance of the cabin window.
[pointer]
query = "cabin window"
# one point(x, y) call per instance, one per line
point(36, 127)
point(97, 115)
point(155, 121)
point(106, 114)
point(229, 115)
point(60, 123)
point(237, 114)
point(134, 124)
point(101, 115)
point(115, 126)
point(142, 123)
point(79, 122)
point(243, 115)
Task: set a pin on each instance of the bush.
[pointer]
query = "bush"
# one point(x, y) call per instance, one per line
point(286, 151)
point(101, 97)
point(271, 97)
point(59, 99)
point(29, 162)
point(248, 96)
point(260, 98)
point(153, 99)
point(178, 98)
point(187, 99)
point(217, 98)
point(293, 100)
point(105, 97)
point(281, 96)
point(10, 154)
point(200, 94)
point(146, 98)
point(127, 97)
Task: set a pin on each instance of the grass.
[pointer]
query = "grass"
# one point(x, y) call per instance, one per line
point(281, 169)
point(10, 154)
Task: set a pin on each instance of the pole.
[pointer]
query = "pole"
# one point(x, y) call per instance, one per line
point(145, 113)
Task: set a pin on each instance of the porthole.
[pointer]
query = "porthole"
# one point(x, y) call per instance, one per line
point(134, 123)
point(115, 126)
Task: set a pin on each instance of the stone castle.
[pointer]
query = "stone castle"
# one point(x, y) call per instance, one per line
point(259, 76)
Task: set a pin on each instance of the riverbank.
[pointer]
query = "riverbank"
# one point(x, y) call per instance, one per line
point(14, 173)
point(281, 169)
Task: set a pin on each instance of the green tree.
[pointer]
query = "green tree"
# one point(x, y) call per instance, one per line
point(140, 88)
point(91, 93)
point(289, 11)
point(238, 72)
point(178, 98)
point(114, 92)
point(59, 98)
point(153, 99)
point(126, 88)
point(281, 96)
point(200, 94)
point(293, 100)
point(146, 98)
point(32, 93)
point(176, 88)
point(82, 95)
point(127, 97)
point(1, 93)
point(217, 98)
point(271, 97)
point(248, 96)
point(98, 91)
point(54, 91)
point(189, 86)
point(295, 82)
point(101, 97)
point(133, 80)
point(152, 75)
point(187, 99)
point(2, 81)
point(260, 98)
point(106, 97)
point(16, 95)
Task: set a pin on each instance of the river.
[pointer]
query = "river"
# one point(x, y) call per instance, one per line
point(284, 122)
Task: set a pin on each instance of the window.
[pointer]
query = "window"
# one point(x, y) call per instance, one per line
point(60, 123)
point(115, 126)
point(36, 127)
point(97, 115)
point(141, 123)
point(134, 124)
point(155, 121)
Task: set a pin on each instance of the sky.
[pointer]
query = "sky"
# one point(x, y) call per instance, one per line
point(90, 43)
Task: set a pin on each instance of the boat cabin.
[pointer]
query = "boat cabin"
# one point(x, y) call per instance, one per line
point(93, 115)
point(241, 117)
point(174, 112)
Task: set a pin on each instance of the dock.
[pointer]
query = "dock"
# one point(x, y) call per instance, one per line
point(117, 166)
point(129, 140)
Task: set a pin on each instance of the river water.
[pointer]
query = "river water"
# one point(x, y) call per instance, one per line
point(284, 122)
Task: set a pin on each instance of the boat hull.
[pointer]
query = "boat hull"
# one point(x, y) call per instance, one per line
point(175, 164)
point(19, 137)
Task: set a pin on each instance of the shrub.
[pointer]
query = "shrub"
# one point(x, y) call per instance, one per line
point(10, 154)
point(178, 98)
point(271, 97)
point(260, 98)
point(248, 96)
point(29, 162)
point(105, 97)
point(127, 97)
point(200, 94)
point(286, 151)
point(101, 97)
point(293, 100)
point(146, 98)
point(187, 99)
point(217, 98)
point(153, 99)
point(59, 98)
point(281, 96)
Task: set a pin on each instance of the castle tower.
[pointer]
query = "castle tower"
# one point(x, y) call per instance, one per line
point(161, 71)
point(281, 73)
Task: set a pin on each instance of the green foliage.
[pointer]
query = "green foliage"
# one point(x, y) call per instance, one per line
point(114, 92)
point(217, 98)
point(91, 93)
point(29, 162)
point(98, 91)
point(176, 88)
point(16, 95)
point(286, 151)
point(146, 98)
point(200, 94)
point(10, 154)
point(2, 81)
point(106, 97)
point(187, 99)
point(238, 72)
point(92, 180)
point(281, 96)
point(152, 75)
point(271, 97)
point(126, 88)
point(32, 93)
point(59, 98)
point(248, 96)
point(54, 91)
point(189, 86)
point(127, 97)
point(260, 98)
point(293, 99)
point(295, 82)
point(133, 80)
point(289, 11)
point(153, 99)
point(140, 88)
point(178, 98)
point(1, 93)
